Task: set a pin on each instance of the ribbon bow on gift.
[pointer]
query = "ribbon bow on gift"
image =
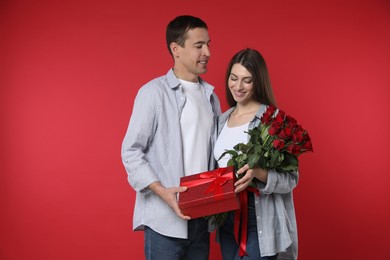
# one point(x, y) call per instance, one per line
point(217, 177)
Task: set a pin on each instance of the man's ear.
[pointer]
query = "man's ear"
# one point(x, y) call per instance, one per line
point(175, 49)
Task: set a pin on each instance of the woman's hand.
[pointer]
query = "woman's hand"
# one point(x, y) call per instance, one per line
point(248, 175)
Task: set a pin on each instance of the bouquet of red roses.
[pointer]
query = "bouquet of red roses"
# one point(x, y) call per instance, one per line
point(275, 143)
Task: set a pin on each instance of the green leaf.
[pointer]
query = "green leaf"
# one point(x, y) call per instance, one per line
point(231, 152)
point(261, 162)
point(281, 158)
point(242, 147)
point(257, 148)
point(230, 163)
point(275, 158)
point(218, 218)
point(242, 158)
point(253, 159)
point(265, 133)
point(290, 162)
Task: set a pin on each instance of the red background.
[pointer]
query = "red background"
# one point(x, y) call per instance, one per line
point(69, 71)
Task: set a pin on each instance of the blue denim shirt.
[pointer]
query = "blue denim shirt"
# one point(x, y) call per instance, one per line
point(275, 212)
point(152, 150)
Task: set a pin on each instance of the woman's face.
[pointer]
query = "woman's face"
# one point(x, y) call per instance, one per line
point(240, 84)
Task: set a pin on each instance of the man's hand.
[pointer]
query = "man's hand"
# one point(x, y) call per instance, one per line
point(169, 195)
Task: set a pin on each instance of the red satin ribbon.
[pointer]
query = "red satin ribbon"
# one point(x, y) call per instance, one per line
point(217, 177)
point(243, 210)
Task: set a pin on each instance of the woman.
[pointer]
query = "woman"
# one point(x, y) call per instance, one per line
point(271, 230)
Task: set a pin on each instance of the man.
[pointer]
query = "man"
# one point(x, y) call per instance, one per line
point(171, 134)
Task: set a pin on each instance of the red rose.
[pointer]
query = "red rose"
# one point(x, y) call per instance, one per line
point(278, 144)
point(267, 116)
point(306, 137)
point(270, 110)
point(280, 117)
point(307, 146)
point(275, 128)
point(291, 122)
point(265, 119)
point(286, 133)
point(298, 135)
point(293, 149)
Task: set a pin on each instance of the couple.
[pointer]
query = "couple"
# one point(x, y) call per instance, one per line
point(176, 129)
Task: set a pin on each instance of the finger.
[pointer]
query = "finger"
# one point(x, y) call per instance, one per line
point(242, 186)
point(185, 217)
point(239, 182)
point(180, 214)
point(242, 180)
point(243, 169)
point(239, 188)
point(183, 188)
point(178, 189)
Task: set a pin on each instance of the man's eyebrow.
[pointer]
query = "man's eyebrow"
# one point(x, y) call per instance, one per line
point(202, 42)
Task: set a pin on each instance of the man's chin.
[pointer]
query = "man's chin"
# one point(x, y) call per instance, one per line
point(202, 71)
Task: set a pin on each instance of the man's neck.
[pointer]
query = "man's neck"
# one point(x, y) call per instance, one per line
point(185, 76)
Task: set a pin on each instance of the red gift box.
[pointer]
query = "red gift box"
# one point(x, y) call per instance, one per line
point(209, 193)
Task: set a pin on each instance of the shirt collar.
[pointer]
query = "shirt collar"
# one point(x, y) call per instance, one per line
point(173, 82)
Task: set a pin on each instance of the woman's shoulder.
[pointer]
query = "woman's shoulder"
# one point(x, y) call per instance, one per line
point(226, 114)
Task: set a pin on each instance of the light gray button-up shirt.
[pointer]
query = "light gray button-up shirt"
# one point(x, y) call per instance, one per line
point(152, 150)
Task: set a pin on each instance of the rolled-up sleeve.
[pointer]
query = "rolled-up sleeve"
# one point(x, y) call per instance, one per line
point(281, 183)
point(138, 136)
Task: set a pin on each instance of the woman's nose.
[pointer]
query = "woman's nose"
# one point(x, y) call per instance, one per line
point(238, 85)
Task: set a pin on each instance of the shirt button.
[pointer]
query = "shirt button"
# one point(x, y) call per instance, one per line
point(261, 232)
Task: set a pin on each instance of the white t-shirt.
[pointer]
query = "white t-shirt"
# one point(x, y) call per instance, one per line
point(196, 122)
point(227, 139)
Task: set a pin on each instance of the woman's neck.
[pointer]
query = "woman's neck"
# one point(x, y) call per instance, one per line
point(248, 108)
point(243, 114)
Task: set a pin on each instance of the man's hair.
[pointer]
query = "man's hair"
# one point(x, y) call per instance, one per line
point(177, 29)
point(254, 62)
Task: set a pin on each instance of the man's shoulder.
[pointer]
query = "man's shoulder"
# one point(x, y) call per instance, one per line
point(161, 83)
point(155, 82)
point(154, 86)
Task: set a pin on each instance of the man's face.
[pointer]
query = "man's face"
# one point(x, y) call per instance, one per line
point(191, 59)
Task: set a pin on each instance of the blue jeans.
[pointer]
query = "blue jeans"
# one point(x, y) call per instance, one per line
point(228, 243)
point(196, 247)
